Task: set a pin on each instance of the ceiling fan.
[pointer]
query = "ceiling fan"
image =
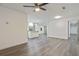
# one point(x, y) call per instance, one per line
point(37, 6)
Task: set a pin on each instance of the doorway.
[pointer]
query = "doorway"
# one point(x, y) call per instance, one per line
point(73, 37)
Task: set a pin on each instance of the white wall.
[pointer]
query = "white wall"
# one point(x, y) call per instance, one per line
point(58, 29)
point(14, 32)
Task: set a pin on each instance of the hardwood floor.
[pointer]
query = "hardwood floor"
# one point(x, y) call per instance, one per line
point(41, 46)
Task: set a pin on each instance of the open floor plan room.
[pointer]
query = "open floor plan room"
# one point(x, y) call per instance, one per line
point(39, 29)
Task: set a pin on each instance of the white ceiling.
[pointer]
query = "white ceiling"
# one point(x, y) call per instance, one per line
point(53, 9)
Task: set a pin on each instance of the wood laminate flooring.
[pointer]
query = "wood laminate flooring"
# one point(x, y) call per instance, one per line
point(41, 46)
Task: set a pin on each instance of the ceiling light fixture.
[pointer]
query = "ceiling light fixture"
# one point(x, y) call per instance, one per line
point(37, 9)
point(57, 17)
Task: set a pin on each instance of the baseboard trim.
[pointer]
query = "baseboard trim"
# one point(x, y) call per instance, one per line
point(6, 51)
point(56, 38)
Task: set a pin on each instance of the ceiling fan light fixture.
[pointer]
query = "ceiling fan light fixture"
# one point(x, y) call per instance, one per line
point(37, 9)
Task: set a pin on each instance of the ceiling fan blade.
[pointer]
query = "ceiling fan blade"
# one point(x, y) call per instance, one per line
point(43, 8)
point(43, 4)
point(36, 4)
point(28, 6)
